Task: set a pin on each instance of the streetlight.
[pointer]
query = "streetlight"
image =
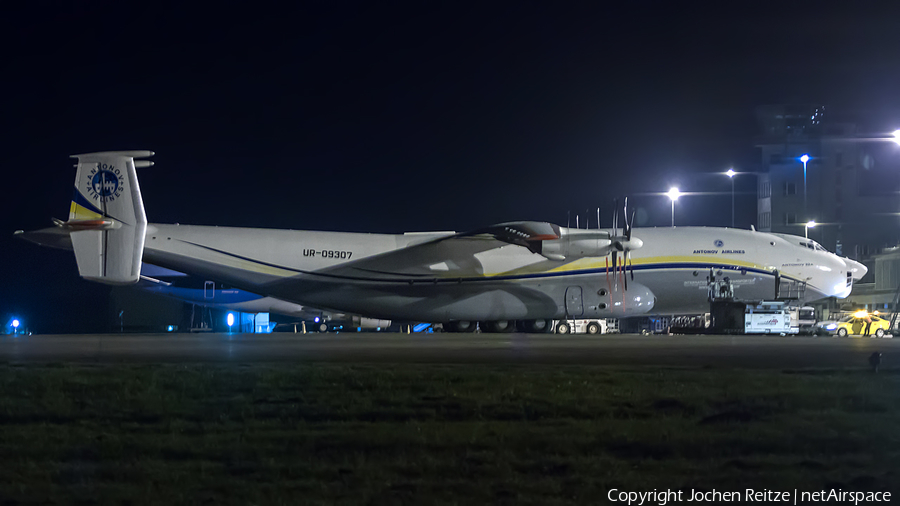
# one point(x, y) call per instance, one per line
point(15, 324)
point(804, 159)
point(230, 321)
point(673, 195)
point(731, 173)
point(808, 225)
point(897, 136)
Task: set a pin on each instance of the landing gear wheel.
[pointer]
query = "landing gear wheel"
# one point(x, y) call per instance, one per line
point(501, 326)
point(879, 333)
point(461, 326)
point(842, 332)
point(593, 328)
point(323, 327)
point(563, 328)
point(537, 326)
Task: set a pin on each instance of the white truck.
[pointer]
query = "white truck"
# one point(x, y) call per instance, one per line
point(768, 317)
point(600, 326)
point(804, 319)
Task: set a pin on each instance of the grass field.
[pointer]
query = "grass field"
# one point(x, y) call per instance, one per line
point(404, 434)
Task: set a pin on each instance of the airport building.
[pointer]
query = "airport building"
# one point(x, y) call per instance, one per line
point(881, 293)
point(818, 168)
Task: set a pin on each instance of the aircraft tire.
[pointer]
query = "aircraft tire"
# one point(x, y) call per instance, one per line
point(323, 327)
point(593, 328)
point(563, 328)
point(537, 326)
point(464, 326)
point(501, 326)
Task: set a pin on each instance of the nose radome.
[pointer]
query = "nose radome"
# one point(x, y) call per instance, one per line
point(856, 269)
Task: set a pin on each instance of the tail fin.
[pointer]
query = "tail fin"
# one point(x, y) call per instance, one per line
point(106, 218)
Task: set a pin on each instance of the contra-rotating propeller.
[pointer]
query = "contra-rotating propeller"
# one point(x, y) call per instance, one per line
point(624, 243)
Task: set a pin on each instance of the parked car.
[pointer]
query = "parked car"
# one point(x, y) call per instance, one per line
point(826, 328)
point(855, 325)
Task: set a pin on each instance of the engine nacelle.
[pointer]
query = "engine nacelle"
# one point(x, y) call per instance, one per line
point(572, 246)
point(620, 303)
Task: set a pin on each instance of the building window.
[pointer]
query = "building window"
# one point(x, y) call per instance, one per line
point(790, 218)
point(765, 190)
point(790, 189)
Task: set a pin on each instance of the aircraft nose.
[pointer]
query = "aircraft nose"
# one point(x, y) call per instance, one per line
point(856, 269)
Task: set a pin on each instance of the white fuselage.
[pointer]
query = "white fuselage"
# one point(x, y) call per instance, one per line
point(506, 282)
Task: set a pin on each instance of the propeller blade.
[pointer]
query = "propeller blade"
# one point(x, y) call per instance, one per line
point(615, 262)
point(608, 283)
point(615, 218)
point(630, 225)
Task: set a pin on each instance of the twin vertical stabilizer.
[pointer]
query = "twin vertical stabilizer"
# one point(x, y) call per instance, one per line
point(107, 222)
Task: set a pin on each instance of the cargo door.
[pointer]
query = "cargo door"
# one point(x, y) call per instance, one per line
point(574, 304)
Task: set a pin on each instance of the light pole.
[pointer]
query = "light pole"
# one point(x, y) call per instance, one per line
point(808, 225)
point(230, 321)
point(731, 173)
point(15, 324)
point(673, 195)
point(804, 159)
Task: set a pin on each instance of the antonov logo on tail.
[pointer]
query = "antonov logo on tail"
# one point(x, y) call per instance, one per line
point(105, 181)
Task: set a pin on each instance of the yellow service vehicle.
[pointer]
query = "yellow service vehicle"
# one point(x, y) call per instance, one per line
point(862, 323)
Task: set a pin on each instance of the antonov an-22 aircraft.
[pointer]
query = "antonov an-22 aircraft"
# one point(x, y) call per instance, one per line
point(519, 272)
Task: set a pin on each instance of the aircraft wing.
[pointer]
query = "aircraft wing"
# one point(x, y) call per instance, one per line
point(448, 257)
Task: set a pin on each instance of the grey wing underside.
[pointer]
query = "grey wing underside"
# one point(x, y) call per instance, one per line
point(448, 257)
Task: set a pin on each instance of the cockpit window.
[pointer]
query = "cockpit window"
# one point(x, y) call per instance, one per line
point(812, 245)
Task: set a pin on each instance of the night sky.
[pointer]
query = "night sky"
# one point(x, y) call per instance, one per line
point(403, 117)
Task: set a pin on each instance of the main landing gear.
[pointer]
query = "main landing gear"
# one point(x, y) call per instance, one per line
point(501, 326)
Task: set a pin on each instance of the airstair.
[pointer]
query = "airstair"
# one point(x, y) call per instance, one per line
point(894, 309)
